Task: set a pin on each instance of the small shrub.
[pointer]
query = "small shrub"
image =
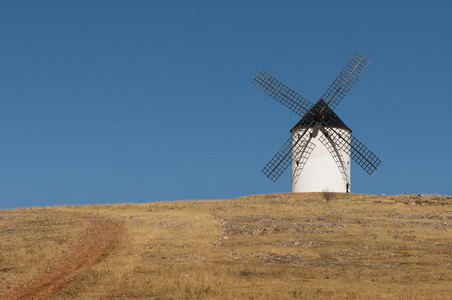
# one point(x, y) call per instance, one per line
point(328, 195)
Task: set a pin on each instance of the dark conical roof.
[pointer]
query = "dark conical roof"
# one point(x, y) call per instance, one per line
point(329, 117)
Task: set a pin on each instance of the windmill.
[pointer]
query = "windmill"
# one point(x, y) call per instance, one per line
point(320, 145)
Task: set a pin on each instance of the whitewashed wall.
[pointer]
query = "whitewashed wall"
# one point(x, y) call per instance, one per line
point(321, 172)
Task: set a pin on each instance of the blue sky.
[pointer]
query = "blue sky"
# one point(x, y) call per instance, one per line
point(140, 101)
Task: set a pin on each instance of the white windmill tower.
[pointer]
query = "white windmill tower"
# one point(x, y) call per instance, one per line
point(321, 145)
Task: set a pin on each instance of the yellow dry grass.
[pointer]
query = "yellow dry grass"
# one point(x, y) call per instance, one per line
point(279, 246)
point(30, 240)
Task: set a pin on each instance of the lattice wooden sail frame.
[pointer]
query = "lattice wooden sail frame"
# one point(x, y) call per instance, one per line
point(301, 106)
point(358, 152)
point(345, 81)
point(281, 93)
point(298, 149)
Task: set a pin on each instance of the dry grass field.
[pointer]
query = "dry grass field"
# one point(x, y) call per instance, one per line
point(278, 246)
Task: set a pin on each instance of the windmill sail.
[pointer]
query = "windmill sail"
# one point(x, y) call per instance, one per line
point(297, 149)
point(318, 119)
point(345, 81)
point(282, 93)
point(359, 153)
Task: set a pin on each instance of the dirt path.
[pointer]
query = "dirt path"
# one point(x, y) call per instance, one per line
point(98, 240)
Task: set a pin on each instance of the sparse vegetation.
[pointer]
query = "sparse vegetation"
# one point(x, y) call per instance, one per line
point(328, 195)
point(280, 246)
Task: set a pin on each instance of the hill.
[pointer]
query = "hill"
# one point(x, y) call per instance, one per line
point(278, 246)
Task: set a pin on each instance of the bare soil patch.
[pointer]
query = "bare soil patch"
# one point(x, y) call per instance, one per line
point(96, 243)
